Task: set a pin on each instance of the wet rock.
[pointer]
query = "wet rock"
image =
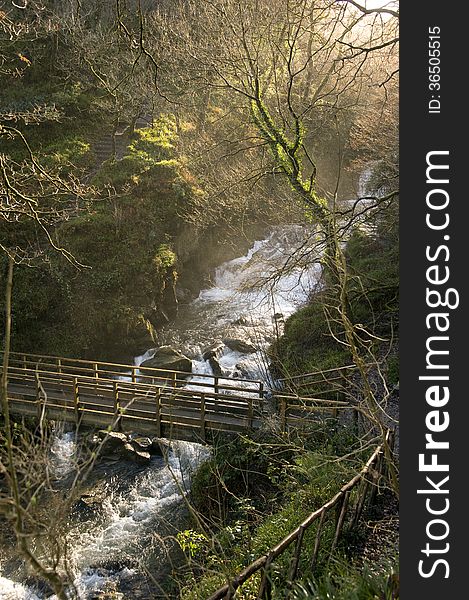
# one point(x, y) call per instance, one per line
point(168, 358)
point(184, 295)
point(129, 452)
point(91, 501)
point(112, 441)
point(215, 366)
point(239, 345)
point(242, 321)
point(243, 369)
point(119, 446)
point(163, 444)
point(213, 351)
point(141, 443)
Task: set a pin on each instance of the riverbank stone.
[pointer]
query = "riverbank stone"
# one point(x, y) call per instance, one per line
point(215, 350)
point(239, 345)
point(215, 366)
point(167, 358)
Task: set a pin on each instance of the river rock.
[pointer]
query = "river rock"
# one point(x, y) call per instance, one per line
point(242, 321)
point(244, 370)
point(141, 443)
point(239, 345)
point(159, 447)
point(214, 350)
point(112, 441)
point(129, 452)
point(168, 358)
point(184, 295)
point(215, 366)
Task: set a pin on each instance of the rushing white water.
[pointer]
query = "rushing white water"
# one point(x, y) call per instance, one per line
point(9, 590)
point(128, 516)
point(250, 298)
point(124, 530)
point(63, 453)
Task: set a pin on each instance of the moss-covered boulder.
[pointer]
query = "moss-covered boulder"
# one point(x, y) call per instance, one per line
point(168, 358)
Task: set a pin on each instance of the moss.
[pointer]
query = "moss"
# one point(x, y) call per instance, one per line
point(300, 479)
point(110, 306)
point(307, 344)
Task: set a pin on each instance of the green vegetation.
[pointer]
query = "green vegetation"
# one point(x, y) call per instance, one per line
point(142, 145)
point(311, 340)
point(253, 493)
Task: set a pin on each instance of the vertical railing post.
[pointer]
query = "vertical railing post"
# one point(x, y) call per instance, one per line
point(41, 401)
point(317, 541)
point(202, 417)
point(265, 589)
point(296, 557)
point(76, 399)
point(376, 473)
point(59, 365)
point(117, 408)
point(96, 371)
point(174, 380)
point(216, 383)
point(158, 412)
point(340, 520)
point(116, 398)
point(134, 374)
point(250, 413)
point(362, 493)
point(261, 395)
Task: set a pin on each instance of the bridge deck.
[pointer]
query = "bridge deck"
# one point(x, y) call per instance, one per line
point(146, 400)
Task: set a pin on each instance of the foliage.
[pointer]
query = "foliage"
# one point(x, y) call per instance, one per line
point(372, 255)
point(267, 490)
point(346, 581)
point(191, 542)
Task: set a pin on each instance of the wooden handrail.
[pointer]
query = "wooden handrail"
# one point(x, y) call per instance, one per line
point(319, 372)
point(88, 392)
point(124, 366)
point(229, 588)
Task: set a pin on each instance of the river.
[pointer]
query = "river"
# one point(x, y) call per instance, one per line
point(112, 545)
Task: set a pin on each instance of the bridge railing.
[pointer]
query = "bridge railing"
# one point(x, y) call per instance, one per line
point(152, 400)
point(129, 406)
point(345, 514)
point(99, 370)
point(338, 383)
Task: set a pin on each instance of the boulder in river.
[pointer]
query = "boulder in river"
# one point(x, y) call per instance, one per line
point(130, 452)
point(140, 442)
point(213, 351)
point(120, 446)
point(245, 370)
point(113, 441)
point(159, 447)
point(215, 366)
point(168, 358)
point(239, 345)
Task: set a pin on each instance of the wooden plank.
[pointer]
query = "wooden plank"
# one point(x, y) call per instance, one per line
point(317, 541)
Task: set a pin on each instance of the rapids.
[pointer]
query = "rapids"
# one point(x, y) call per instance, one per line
point(250, 298)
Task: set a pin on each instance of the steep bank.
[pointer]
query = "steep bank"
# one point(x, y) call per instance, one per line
point(143, 248)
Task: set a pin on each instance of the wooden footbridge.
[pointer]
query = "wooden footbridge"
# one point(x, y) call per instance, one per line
point(169, 404)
